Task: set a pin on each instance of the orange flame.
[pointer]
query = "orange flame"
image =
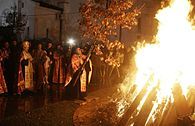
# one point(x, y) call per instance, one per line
point(171, 59)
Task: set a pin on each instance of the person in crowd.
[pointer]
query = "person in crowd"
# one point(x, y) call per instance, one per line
point(39, 59)
point(14, 61)
point(49, 63)
point(25, 72)
point(47, 69)
point(59, 69)
point(5, 51)
point(76, 83)
point(3, 87)
point(68, 51)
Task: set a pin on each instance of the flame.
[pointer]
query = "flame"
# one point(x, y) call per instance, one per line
point(167, 62)
point(171, 59)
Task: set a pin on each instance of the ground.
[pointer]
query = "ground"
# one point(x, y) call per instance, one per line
point(50, 108)
point(47, 108)
point(90, 112)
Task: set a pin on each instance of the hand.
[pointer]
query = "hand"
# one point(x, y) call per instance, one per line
point(21, 58)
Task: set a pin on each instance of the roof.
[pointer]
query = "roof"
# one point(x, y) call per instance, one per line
point(48, 5)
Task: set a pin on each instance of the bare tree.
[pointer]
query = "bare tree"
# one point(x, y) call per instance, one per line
point(15, 20)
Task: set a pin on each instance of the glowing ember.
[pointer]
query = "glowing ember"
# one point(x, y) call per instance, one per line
point(171, 59)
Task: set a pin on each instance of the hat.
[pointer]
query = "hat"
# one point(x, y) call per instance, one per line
point(25, 43)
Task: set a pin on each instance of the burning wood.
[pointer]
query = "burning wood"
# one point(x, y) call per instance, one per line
point(171, 64)
point(146, 108)
point(170, 67)
point(134, 105)
point(180, 102)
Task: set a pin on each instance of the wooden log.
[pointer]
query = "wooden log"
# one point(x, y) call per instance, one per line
point(164, 110)
point(180, 102)
point(169, 118)
point(146, 108)
point(133, 106)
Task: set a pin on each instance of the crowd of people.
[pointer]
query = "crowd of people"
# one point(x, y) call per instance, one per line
point(26, 69)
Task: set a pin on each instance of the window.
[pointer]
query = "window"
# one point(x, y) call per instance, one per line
point(0, 21)
point(22, 4)
point(47, 33)
point(28, 32)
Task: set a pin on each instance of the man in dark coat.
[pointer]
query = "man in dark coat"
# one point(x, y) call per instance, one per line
point(14, 61)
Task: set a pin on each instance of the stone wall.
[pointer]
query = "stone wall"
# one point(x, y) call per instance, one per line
point(47, 23)
point(28, 8)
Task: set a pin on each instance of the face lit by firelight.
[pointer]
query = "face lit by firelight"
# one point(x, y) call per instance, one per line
point(39, 46)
